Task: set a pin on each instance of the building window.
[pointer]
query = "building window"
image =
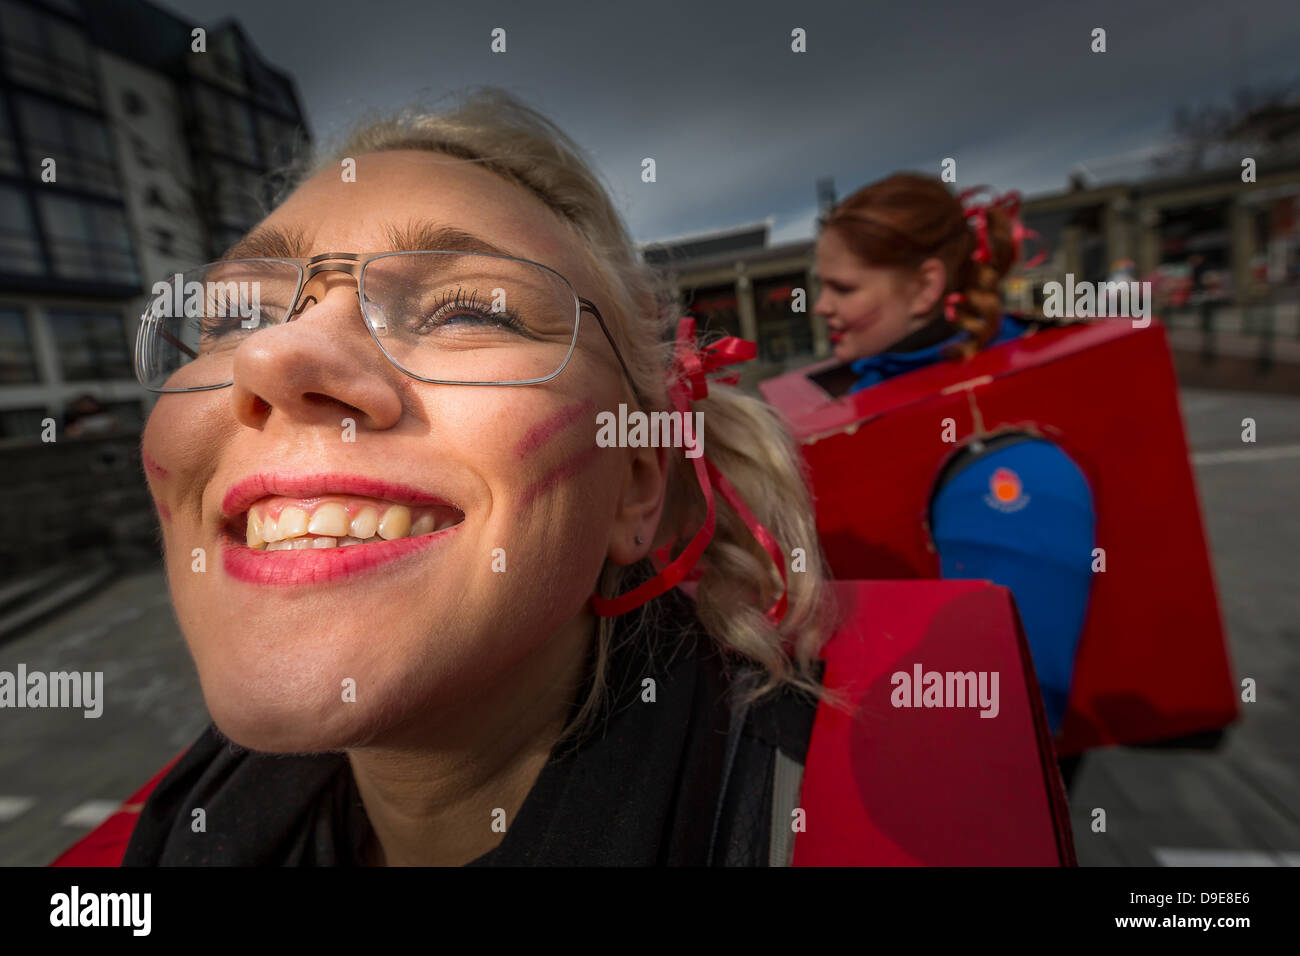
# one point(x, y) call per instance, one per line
point(8, 147)
point(1276, 226)
point(716, 308)
point(129, 415)
point(270, 88)
point(782, 333)
point(21, 422)
point(17, 360)
point(1196, 246)
point(88, 240)
point(80, 144)
point(91, 345)
point(226, 125)
point(47, 53)
point(237, 195)
point(20, 253)
point(281, 141)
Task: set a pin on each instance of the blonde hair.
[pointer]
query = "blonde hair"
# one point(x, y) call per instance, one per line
point(747, 442)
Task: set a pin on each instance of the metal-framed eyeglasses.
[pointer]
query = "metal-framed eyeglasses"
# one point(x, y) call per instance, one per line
point(444, 317)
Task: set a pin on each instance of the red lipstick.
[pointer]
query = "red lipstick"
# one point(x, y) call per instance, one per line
point(296, 568)
point(318, 566)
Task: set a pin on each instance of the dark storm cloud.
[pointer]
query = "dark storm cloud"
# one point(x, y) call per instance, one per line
point(740, 127)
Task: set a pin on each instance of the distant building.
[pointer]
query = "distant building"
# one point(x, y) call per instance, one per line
point(1223, 255)
point(1242, 238)
point(734, 283)
point(159, 158)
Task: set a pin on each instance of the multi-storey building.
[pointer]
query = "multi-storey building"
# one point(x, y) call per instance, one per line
point(130, 147)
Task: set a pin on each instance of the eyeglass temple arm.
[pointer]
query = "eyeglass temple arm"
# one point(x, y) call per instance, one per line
point(588, 306)
point(168, 337)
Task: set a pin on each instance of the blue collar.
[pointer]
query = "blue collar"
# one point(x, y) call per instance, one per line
point(877, 368)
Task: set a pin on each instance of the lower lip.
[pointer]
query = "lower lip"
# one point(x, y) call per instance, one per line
point(319, 565)
point(835, 337)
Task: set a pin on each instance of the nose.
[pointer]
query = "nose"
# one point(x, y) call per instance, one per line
point(319, 368)
point(823, 305)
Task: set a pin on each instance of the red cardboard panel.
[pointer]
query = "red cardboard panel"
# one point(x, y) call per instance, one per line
point(899, 780)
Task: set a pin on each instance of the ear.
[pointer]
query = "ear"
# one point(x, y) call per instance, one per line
point(928, 283)
point(640, 505)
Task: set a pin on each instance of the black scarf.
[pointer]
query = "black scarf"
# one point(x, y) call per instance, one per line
point(642, 788)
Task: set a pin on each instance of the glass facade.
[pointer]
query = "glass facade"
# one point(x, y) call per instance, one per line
point(226, 125)
point(47, 53)
point(90, 345)
point(236, 194)
point(715, 308)
point(782, 333)
point(20, 251)
point(21, 422)
point(88, 240)
point(8, 144)
point(78, 141)
point(17, 361)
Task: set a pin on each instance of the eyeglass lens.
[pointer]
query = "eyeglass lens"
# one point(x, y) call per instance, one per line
point(447, 316)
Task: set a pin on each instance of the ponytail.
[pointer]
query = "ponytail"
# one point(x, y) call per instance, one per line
point(907, 218)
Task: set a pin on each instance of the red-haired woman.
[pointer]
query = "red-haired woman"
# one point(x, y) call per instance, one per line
point(909, 278)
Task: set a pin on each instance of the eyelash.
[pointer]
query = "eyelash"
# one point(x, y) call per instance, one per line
point(506, 317)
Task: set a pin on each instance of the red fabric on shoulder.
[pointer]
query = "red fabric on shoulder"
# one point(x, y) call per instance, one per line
point(106, 844)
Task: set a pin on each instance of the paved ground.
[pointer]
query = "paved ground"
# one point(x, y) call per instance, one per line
point(1241, 804)
point(61, 773)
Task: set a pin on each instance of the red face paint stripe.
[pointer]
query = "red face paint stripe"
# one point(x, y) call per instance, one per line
point(544, 431)
point(163, 511)
point(152, 467)
point(571, 468)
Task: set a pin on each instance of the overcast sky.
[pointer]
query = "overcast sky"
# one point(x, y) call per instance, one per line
point(741, 127)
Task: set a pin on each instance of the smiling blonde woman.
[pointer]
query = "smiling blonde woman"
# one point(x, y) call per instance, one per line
point(394, 468)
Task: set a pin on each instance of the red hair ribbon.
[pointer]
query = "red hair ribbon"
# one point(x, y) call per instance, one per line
point(950, 305)
point(690, 366)
point(1008, 203)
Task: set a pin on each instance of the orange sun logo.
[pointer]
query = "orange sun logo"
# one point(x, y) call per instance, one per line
point(1005, 485)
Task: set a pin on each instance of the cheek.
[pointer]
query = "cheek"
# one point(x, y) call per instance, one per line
point(864, 307)
point(553, 487)
point(178, 452)
point(878, 305)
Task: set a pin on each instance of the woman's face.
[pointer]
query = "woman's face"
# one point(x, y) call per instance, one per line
point(867, 309)
point(520, 508)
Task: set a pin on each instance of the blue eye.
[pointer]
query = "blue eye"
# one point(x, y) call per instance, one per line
point(458, 308)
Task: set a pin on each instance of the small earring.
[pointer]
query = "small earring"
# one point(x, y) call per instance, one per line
point(638, 540)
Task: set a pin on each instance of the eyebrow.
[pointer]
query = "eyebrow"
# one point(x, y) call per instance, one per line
point(272, 242)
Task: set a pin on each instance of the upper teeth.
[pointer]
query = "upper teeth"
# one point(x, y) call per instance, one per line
point(330, 525)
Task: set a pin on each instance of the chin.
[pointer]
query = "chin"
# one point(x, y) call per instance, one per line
point(265, 723)
point(318, 692)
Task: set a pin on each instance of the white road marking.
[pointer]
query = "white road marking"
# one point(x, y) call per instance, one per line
point(1180, 856)
point(90, 814)
point(1267, 453)
point(12, 807)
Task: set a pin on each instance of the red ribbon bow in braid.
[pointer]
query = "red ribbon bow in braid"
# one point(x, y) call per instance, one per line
point(691, 365)
point(1008, 203)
